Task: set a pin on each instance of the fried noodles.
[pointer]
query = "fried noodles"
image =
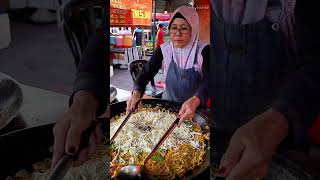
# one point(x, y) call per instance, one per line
point(182, 151)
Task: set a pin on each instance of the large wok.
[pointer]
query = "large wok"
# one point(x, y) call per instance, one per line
point(201, 118)
point(20, 149)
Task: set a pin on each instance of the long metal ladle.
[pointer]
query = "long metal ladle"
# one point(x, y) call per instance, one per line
point(139, 171)
point(124, 122)
point(66, 162)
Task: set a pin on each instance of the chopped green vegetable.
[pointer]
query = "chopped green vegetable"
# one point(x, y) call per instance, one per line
point(157, 158)
point(112, 146)
point(189, 123)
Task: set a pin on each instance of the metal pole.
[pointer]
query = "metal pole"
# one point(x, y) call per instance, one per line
point(154, 27)
point(143, 44)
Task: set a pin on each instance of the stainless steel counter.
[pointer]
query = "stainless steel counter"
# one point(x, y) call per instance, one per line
point(39, 107)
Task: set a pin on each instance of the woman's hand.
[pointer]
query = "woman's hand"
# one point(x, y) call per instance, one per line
point(252, 146)
point(67, 131)
point(188, 109)
point(133, 100)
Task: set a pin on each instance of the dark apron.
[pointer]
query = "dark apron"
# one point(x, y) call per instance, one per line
point(248, 66)
point(181, 83)
point(247, 69)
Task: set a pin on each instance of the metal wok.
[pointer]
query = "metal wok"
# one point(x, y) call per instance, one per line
point(20, 149)
point(281, 168)
point(200, 118)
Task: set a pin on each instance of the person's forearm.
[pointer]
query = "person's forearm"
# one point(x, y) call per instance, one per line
point(300, 103)
point(203, 90)
point(85, 99)
point(202, 93)
point(148, 72)
point(279, 125)
point(93, 72)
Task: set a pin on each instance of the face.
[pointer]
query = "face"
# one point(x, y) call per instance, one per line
point(180, 33)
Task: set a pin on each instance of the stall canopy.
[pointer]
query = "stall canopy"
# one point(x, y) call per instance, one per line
point(130, 13)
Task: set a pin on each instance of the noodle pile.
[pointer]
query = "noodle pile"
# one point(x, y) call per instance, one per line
point(182, 151)
point(94, 169)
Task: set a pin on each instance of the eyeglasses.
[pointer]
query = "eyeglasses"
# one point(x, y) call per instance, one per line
point(183, 30)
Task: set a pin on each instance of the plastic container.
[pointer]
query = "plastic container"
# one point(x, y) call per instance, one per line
point(127, 41)
point(119, 41)
point(113, 40)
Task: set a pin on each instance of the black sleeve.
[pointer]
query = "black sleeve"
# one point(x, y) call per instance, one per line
point(149, 71)
point(202, 91)
point(93, 71)
point(300, 101)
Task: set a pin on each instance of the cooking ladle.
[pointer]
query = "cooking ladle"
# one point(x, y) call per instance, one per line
point(139, 171)
point(66, 162)
point(124, 121)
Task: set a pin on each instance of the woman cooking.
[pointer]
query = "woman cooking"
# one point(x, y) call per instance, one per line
point(254, 141)
point(184, 60)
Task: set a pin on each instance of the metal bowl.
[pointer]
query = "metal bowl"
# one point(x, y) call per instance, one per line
point(11, 99)
point(113, 93)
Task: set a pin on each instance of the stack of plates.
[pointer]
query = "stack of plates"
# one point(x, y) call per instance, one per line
point(11, 99)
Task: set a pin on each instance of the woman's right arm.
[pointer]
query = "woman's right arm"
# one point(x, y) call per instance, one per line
point(144, 77)
point(88, 101)
point(149, 71)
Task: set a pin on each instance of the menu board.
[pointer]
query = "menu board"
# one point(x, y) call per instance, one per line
point(130, 13)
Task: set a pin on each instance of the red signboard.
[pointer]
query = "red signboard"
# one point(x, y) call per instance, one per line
point(130, 13)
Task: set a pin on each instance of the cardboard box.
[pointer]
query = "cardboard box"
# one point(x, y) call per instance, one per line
point(5, 35)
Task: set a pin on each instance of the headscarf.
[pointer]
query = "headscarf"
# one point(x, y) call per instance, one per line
point(184, 57)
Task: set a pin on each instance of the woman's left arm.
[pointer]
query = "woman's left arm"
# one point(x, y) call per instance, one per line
point(190, 106)
point(202, 91)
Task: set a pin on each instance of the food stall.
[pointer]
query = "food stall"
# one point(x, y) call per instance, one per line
point(126, 15)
